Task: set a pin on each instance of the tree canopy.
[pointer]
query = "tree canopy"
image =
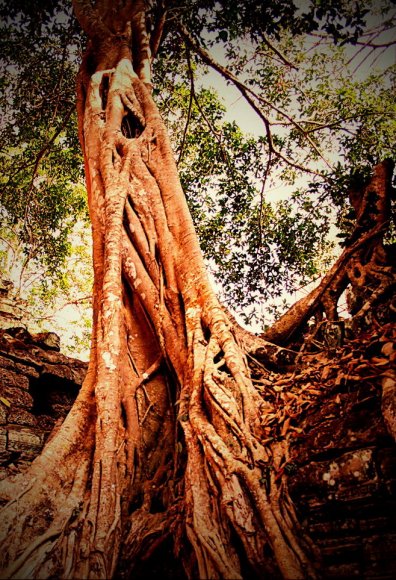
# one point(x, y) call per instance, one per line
point(318, 76)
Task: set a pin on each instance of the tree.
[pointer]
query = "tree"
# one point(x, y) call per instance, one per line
point(166, 437)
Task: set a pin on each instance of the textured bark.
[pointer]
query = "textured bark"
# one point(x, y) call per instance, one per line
point(166, 432)
point(364, 266)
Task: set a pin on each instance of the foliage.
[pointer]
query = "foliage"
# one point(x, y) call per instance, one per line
point(253, 246)
point(40, 155)
point(41, 192)
point(228, 20)
point(321, 111)
point(60, 303)
point(323, 118)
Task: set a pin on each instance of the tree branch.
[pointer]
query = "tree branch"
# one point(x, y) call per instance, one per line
point(192, 92)
point(40, 154)
point(250, 96)
point(157, 32)
point(279, 54)
point(262, 190)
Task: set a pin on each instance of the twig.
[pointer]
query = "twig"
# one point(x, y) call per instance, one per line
point(207, 121)
point(189, 106)
point(146, 413)
point(278, 53)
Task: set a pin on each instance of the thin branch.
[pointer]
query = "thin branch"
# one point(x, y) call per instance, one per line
point(41, 153)
point(8, 244)
point(55, 309)
point(44, 149)
point(158, 30)
point(279, 54)
point(191, 74)
point(62, 71)
point(355, 117)
point(366, 57)
point(378, 55)
point(373, 32)
point(267, 170)
point(379, 45)
point(363, 46)
point(204, 116)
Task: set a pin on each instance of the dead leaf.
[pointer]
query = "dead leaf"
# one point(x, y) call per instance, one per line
point(379, 361)
point(346, 357)
point(325, 373)
point(387, 349)
point(288, 395)
point(285, 427)
point(5, 401)
point(361, 367)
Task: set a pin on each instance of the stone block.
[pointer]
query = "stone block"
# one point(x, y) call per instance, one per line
point(47, 340)
point(19, 367)
point(3, 414)
point(17, 397)
point(3, 473)
point(60, 371)
point(3, 439)
point(5, 457)
point(380, 555)
point(351, 470)
point(345, 571)
point(386, 461)
point(45, 422)
point(60, 410)
point(9, 378)
point(24, 439)
point(20, 333)
point(20, 416)
point(9, 311)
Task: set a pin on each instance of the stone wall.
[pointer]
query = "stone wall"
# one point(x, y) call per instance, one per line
point(343, 483)
point(38, 385)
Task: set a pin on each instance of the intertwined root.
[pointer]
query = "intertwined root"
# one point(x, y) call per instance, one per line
point(365, 266)
point(160, 339)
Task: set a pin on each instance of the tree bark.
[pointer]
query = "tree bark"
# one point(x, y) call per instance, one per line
point(166, 434)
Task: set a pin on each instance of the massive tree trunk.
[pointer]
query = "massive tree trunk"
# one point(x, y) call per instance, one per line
point(168, 434)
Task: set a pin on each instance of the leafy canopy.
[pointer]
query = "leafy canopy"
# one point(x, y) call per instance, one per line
point(316, 72)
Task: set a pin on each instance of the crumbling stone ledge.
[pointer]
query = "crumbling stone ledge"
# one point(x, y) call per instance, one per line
point(38, 385)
